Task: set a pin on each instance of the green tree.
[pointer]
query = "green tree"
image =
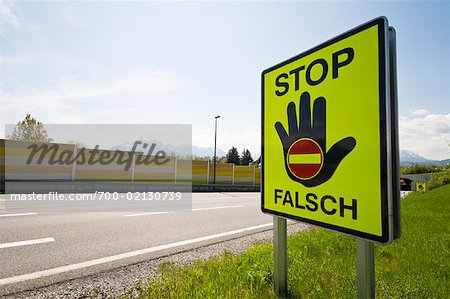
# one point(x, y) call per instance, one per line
point(233, 156)
point(421, 168)
point(30, 130)
point(439, 179)
point(246, 157)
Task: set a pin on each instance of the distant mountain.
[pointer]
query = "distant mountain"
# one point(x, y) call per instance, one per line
point(200, 151)
point(197, 151)
point(444, 162)
point(406, 157)
point(409, 158)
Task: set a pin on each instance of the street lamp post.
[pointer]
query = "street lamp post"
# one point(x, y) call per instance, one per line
point(215, 147)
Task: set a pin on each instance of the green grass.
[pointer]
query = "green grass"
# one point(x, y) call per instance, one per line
point(322, 263)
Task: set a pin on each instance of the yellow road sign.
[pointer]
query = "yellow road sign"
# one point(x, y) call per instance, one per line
point(326, 135)
point(421, 186)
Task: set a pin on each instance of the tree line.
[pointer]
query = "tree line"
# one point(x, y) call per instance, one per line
point(244, 159)
point(423, 168)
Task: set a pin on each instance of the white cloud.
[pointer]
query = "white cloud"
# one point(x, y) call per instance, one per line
point(69, 15)
point(62, 96)
point(13, 60)
point(420, 112)
point(8, 19)
point(426, 134)
point(42, 62)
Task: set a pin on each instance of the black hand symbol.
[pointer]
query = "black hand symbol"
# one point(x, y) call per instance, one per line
point(310, 137)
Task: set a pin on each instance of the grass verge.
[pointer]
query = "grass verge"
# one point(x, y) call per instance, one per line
point(322, 263)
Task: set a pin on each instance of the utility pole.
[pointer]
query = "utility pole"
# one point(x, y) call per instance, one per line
point(215, 147)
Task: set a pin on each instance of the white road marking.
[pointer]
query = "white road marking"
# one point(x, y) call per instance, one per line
point(225, 198)
point(13, 215)
point(149, 213)
point(216, 208)
point(193, 210)
point(58, 270)
point(27, 242)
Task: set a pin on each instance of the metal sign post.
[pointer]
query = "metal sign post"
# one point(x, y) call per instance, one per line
point(280, 255)
point(365, 269)
point(310, 154)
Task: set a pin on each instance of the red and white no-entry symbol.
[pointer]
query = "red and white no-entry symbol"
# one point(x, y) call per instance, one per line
point(305, 158)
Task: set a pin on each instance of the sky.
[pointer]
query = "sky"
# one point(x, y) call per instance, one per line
point(186, 62)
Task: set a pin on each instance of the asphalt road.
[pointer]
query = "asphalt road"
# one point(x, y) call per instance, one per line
point(38, 249)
